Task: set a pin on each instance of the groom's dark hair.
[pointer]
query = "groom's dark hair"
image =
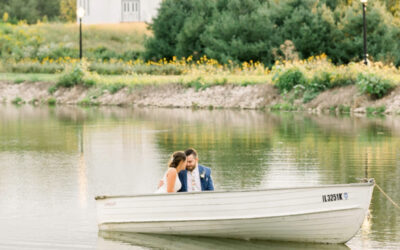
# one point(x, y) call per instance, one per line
point(191, 151)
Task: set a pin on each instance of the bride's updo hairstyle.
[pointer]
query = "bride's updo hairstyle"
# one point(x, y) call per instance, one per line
point(176, 158)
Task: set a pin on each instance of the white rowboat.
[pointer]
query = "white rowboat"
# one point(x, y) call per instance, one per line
point(324, 214)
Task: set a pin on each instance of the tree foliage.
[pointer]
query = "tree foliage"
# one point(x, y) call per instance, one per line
point(68, 10)
point(240, 32)
point(244, 30)
point(30, 10)
point(178, 27)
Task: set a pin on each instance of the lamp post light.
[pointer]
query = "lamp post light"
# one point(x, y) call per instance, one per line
point(364, 5)
point(80, 13)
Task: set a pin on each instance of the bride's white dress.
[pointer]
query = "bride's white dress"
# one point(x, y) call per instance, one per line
point(163, 188)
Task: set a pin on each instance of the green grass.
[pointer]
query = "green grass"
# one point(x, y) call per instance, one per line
point(20, 77)
point(283, 107)
point(376, 110)
point(18, 81)
point(343, 109)
point(117, 38)
point(129, 80)
point(209, 80)
point(17, 101)
point(87, 102)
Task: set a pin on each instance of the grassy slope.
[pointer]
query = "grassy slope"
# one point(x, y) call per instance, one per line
point(14, 77)
point(117, 37)
point(144, 79)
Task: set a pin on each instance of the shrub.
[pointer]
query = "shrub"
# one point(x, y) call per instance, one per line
point(34, 67)
point(283, 107)
point(72, 77)
point(34, 101)
point(290, 78)
point(110, 68)
point(87, 102)
point(51, 101)
point(19, 80)
point(103, 53)
point(130, 55)
point(165, 69)
point(197, 84)
point(339, 79)
point(52, 89)
point(328, 80)
point(320, 82)
point(55, 51)
point(344, 109)
point(309, 95)
point(376, 110)
point(222, 82)
point(17, 101)
point(373, 85)
point(332, 109)
point(89, 82)
point(114, 88)
point(246, 83)
point(119, 68)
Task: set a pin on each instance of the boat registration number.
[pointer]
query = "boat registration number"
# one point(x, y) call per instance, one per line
point(334, 197)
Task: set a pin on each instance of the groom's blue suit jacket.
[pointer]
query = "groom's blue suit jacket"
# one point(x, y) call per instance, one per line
point(205, 179)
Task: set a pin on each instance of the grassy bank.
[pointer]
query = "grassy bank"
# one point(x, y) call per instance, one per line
point(295, 79)
point(47, 53)
point(59, 40)
point(190, 80)
point(34, 77)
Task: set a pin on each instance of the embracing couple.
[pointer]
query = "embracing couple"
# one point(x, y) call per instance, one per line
point(184, 174)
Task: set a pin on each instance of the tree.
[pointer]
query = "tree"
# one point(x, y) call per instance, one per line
point(382, 35)
point(310, 27)
point(242, 31)
point(68, 10)
point(189, 40)
point(166, 28)
point(22, 10)
point(51, 9)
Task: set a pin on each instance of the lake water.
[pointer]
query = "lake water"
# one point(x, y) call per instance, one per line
point(54, 161)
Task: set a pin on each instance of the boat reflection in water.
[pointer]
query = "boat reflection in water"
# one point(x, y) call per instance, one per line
point(155, 241)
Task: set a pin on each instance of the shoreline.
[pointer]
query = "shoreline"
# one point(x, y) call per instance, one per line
point(229, 96)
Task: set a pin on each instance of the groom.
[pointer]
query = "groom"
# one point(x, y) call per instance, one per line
point(196, 177)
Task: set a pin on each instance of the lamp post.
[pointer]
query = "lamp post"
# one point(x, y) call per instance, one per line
point(364, 5)
point(80, 13)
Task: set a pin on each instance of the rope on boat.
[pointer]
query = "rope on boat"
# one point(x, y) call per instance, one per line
point(387, 196)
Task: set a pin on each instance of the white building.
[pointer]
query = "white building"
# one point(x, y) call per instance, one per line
point(118, 11)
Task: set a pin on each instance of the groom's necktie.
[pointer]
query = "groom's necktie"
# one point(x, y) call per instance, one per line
point(194, 188)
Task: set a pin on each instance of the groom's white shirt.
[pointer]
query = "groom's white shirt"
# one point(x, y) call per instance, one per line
point(196, 176)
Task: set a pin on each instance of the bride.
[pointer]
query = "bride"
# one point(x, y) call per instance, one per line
point(171, 182)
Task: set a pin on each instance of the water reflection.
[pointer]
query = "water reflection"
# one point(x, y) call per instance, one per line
point(57, 158)
point(194, 243)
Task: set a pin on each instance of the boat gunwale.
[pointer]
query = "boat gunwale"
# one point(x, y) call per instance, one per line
point(369, 182)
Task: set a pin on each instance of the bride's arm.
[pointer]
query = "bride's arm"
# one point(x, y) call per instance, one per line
point(160, 183)
point(171, 178)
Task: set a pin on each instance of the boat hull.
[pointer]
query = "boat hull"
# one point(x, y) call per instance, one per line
point(325, 214)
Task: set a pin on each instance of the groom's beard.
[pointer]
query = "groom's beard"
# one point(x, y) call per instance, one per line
point(190, 168)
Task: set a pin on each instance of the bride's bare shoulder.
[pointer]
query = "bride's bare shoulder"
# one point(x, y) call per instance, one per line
point(171, 170)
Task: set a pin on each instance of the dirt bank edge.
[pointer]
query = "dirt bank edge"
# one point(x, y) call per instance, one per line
point(259, 96)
